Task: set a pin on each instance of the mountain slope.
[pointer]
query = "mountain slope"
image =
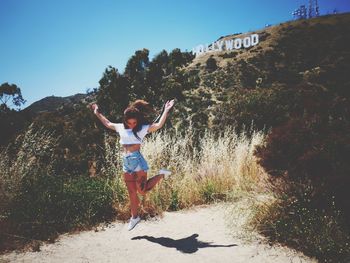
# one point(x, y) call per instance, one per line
point(52, 103)
point(264, 83)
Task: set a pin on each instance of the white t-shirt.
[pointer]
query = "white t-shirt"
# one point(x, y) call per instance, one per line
point(127, 136)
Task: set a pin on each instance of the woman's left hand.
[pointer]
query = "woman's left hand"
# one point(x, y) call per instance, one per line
point(169, 104)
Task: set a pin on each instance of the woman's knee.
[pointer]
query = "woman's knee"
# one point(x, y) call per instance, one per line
point(141, 182)
point(142, 191)
point(141, 188)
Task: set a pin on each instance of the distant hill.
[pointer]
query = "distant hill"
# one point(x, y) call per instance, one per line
point(52, 103)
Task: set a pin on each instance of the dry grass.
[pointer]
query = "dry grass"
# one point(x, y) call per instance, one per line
point(33, 147)
point(214, 171)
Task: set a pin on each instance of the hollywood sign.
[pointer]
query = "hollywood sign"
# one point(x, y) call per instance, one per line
point(229, 44)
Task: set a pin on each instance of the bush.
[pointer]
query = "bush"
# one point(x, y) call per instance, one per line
point(231, 54)
point(264, 107)
point(295, 220)
point(311, 150)
point(211, 64)
point(51, 204)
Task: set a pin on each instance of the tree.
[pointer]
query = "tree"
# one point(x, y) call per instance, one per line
point(113, 92)
point(178, 59)
point(135, 71)
point(11, 120)
point(10, 92)
point(156, 72)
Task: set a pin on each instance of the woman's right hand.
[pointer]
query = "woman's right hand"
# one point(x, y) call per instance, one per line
point(94, 107)
point(168, 105)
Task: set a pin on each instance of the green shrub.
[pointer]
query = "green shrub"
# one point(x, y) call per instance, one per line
point(295, 220)
point(311, 150)
point(211, 64)
point(264, 107)
point(50, 204)
point(231, 54)
point(175, 202)
point(208, 191)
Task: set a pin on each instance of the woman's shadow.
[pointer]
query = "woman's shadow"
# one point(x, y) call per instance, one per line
point(185, 245)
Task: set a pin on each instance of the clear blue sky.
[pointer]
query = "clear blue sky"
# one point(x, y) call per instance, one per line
point(62, 47)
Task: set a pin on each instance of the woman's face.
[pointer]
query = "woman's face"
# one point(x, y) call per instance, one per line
point(131, 123)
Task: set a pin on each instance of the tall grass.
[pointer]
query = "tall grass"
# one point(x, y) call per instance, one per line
point(205, 170)
point(31, 152)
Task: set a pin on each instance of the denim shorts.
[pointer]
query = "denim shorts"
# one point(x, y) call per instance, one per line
point(134, 162)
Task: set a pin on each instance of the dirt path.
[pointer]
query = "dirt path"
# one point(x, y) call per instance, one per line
point(199, 234)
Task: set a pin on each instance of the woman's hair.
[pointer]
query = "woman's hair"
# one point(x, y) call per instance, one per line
point(140, 111)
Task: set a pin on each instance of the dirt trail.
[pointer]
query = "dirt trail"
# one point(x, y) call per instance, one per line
point(200, 234)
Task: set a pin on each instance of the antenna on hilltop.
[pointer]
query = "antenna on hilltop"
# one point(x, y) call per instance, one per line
point(313, 9)
point(303, 13)
point(300, 13)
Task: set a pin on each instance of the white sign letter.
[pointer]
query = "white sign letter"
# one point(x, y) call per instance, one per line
point(229, 44)
point(200, 50)
point(246, 42)
point(213, 47)
point(220, 44)
point(254, 39)
point(238, 43)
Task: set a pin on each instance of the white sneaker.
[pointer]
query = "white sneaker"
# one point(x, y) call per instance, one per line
point(165, 172)
point(133, 222)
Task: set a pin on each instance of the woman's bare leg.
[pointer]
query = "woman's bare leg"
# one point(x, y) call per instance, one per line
point(132, 189)
point(143, 185)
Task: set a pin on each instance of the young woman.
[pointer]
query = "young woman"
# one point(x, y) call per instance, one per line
point(132, 131)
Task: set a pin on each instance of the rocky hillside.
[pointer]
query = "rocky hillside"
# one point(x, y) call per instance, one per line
point(259, 83)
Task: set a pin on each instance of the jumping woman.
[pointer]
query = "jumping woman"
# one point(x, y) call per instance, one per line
point(132, 131)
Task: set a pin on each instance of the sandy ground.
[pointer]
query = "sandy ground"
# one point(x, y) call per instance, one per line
point(200, 234)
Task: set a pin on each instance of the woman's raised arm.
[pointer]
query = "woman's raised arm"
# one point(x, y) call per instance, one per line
point(102, 118)
point(156, 126)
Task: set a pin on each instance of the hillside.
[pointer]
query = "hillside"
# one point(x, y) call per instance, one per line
point(16, 122)
point(52, 103)
point(332, 27)
point(248, 82)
